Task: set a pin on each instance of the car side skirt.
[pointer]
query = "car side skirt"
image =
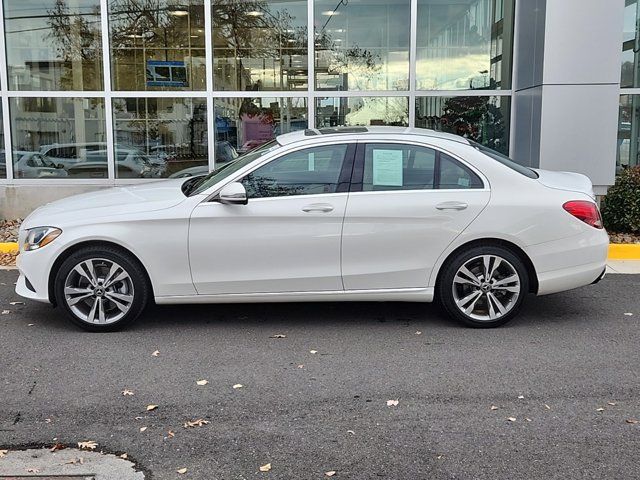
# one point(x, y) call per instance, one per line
point(382, 295)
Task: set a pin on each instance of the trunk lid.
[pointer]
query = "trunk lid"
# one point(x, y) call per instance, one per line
point(572, 182)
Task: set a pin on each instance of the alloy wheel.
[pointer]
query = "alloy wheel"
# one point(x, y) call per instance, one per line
point(99, 291)
point(486, 287)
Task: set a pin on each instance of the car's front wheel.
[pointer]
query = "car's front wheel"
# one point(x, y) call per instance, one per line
point(483, 286)
point(101, 288)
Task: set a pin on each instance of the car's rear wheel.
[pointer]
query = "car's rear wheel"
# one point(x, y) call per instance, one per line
point(484, 286)
point(101, 288)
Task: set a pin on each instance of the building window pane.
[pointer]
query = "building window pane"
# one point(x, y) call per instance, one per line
point(482, 119)
point(160, 137)
point(354, 111)
point(157, 45)
point(362, 45)
point(628, 132)
point(58, 137)
point(259, 45)
point(53, 45)
point(630, 45)
point(243, 124)
point(464, 44)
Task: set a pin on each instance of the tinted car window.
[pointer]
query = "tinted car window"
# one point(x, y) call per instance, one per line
point(398, 167)
point(455, 175)
point(306, 172)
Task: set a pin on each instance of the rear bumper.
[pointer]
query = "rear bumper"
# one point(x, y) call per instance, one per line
point(570, 262)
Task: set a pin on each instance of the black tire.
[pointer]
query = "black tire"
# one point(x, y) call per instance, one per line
point(100, 256)
point(447, 297)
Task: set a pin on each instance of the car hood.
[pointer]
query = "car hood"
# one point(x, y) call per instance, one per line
point(108, 202)
point(573, 182)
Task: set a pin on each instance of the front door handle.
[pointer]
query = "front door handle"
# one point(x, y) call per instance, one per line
point(318, 207)
point(451, 206)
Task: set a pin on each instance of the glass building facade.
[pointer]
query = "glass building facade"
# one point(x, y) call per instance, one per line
point(629, 119)
point(104, 91)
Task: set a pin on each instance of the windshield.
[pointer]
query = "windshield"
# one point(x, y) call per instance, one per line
point(503, 159)
point(231, 168)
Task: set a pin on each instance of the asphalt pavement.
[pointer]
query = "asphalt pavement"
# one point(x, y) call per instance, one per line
point(566, 373)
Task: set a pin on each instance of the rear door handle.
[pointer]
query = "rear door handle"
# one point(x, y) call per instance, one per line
point(451, 206)
point(318, 207)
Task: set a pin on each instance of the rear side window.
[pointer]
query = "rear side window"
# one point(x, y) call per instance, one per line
point(389, 167)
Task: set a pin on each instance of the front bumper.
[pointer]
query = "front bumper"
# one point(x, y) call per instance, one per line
point(33, 282)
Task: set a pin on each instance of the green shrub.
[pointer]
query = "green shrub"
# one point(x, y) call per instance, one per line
point(621, 206)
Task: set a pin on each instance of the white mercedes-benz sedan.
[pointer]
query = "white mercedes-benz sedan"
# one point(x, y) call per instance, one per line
point(341, 214)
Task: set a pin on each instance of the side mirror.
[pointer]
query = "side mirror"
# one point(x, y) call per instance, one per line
point(233, 194)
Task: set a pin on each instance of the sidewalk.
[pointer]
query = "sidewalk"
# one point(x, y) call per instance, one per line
point(623, 266)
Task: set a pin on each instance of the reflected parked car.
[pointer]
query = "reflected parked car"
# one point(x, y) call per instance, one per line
point(68, 154)
point(129, 164)
point(35, 165)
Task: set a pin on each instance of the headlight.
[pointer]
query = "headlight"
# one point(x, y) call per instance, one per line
point(40, 236)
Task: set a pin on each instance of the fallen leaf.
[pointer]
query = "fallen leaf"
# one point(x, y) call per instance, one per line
point(493, 407)
point(547, 406)
point(3, 453)
point(613, 404)
point(632, 421)
point(195, 423)
point(124, 456)
point(629, 314)
point(6, 312)
point(155, 353)
point(182, 471)
point(57, 446)
point(265, 468)
point(88, 445)
point(392, 403)
point(75, 461)
point(237, 386)
point(142, 429)
point(151, 407)
point(278, 335)
point(171, 434)
point(351, 432)
point(512, 419)
point(33, 470)
point(138, 418)
point(313, 352)
point(527, 419)
point(16, 303)
point(30, 324)
point(600, 409)
point(330, 473)
point(439, 457)
point(126, 392)
point(202, 382)
point(301, 366)
point(520, 397)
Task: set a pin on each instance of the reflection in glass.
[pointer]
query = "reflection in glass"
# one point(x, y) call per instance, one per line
point(362, 111)
point(482, 119)
point(259, 44)
point(53, 44)
point(362, 45)
point(464, 44)
point(160, 137)
point(157, 45)
point(628, 132)
point(57, 137)
point(243, 124)
point(3, 152)
point(631, 45)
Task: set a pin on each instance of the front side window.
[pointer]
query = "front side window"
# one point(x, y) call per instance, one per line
point(311, 171)
point(389, 167)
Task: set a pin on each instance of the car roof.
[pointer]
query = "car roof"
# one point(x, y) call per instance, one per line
point(322, 133)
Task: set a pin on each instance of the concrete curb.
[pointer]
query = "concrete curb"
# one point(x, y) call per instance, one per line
point(617, 251)
point(8, 247)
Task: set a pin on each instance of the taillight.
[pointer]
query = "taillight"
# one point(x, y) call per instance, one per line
point(586, 211)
